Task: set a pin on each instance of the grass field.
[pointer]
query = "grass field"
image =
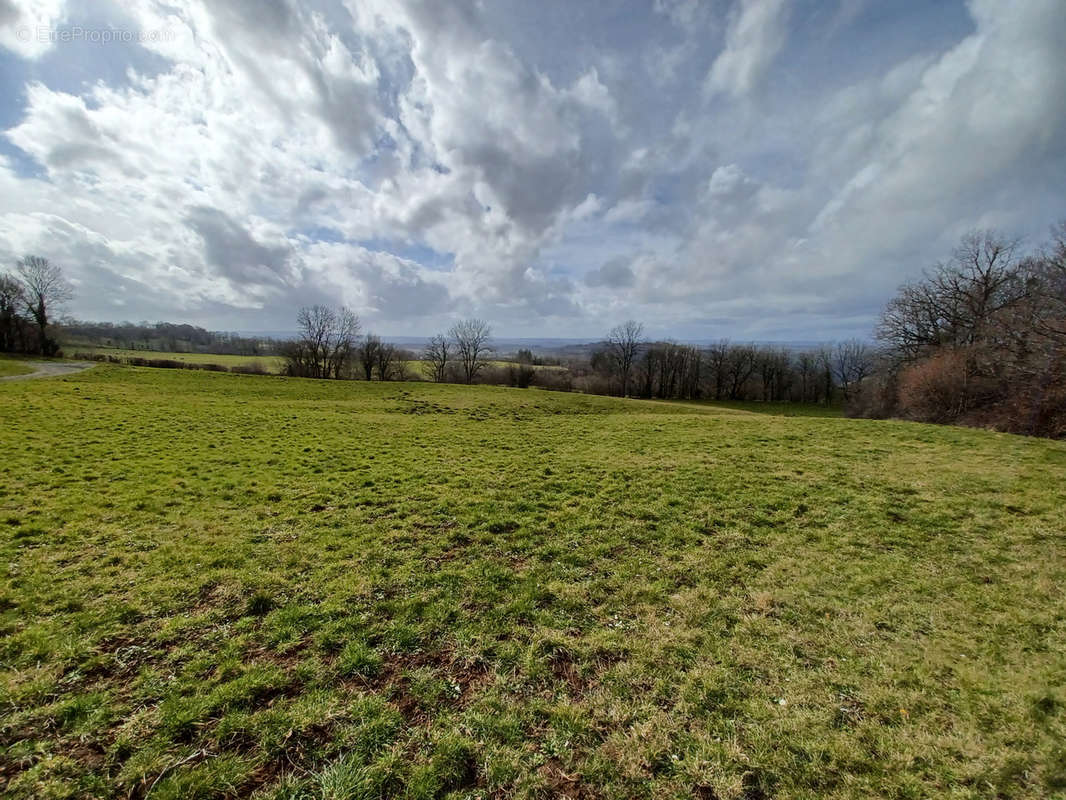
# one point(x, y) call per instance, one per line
point(9, 367)
point(268, 363)
point(220, 585)
point(273, 364)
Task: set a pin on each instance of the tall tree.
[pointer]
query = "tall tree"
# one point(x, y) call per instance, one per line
point(368, 349)
point(12, 325)
point(623, 344)
point(326, 342)
point(386, 362)
point(955, 303)
point(471, 338)
point(436, 355)
point(852, 362)
point(44, 290)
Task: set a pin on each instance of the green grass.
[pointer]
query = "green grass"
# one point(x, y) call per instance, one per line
point(9, 367)
point(269, 363)
point(776, 409)
point(219, 585)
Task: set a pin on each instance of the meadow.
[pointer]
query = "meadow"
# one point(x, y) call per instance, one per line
point(10, 367)
point(220, 585)
point(272, 364)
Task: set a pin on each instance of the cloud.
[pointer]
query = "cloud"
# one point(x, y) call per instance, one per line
point(756, 34)
point(613, 274)
point(26, 26)
point(424, 161)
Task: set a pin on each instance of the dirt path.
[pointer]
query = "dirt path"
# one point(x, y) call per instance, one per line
point(50, 369)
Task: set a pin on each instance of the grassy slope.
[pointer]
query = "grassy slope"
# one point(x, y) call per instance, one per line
point(218, 584)
point(416, 369)
point(269, 363)
point(10, 367)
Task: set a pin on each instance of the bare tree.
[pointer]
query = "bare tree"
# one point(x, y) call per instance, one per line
point(386, 361)
point(44, 290)
point(367, 352)
point(12, 324)
point(806, 368)
point(1047, 274)
point(852, 362)
point(401, 364)
point(955, 302)
point(326, 343)
point(436, 356)
point(471, 339)
point(741, 361)
point(717, 357)
point(623, 344)
point(825, 369)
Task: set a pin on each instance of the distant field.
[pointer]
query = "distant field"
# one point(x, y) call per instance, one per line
point(269, 363)
point(218, 585)
point(10, 367)
point(779, 409)
point(274, 364)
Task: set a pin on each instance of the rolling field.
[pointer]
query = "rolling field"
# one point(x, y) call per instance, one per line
point(11, 367)
point(221, 585)
point(272, 364)
point(268, 363)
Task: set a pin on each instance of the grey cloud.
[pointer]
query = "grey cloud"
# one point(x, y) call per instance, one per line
point(8, 12)
point(613, 274)
point(755, 36)
point(742, 183)
point(401, 293)
point(235, 253)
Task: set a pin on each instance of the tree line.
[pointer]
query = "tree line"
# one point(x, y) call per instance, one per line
point(330, 344)
point(626, 363)
point(166, 337)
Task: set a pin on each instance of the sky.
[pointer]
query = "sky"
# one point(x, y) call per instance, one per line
point(752, 169)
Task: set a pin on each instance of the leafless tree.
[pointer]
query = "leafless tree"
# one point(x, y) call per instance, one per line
point(44, 290)
point(775, 373)
point(401, 364)
point(741, 361)
point(1046, 273)
point(717, 355)
point(825, 370)
point(436, 355)
point(12, 324)
point(852, 362)
point(386, 361)
point(471, 340)
point(957, 300)
point(326, 342)
point(806, 366)
point(367, 353)
point(623, 344)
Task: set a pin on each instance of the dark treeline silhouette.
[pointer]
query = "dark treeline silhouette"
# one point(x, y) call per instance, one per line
point(166, 337)
point(667, 370)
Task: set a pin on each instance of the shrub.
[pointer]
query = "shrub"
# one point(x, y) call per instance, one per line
point(936, 389)
point(252, 368)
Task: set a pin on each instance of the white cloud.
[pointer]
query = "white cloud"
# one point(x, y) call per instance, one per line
point(416, 162)
point(28, 27)
point(756, 34)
